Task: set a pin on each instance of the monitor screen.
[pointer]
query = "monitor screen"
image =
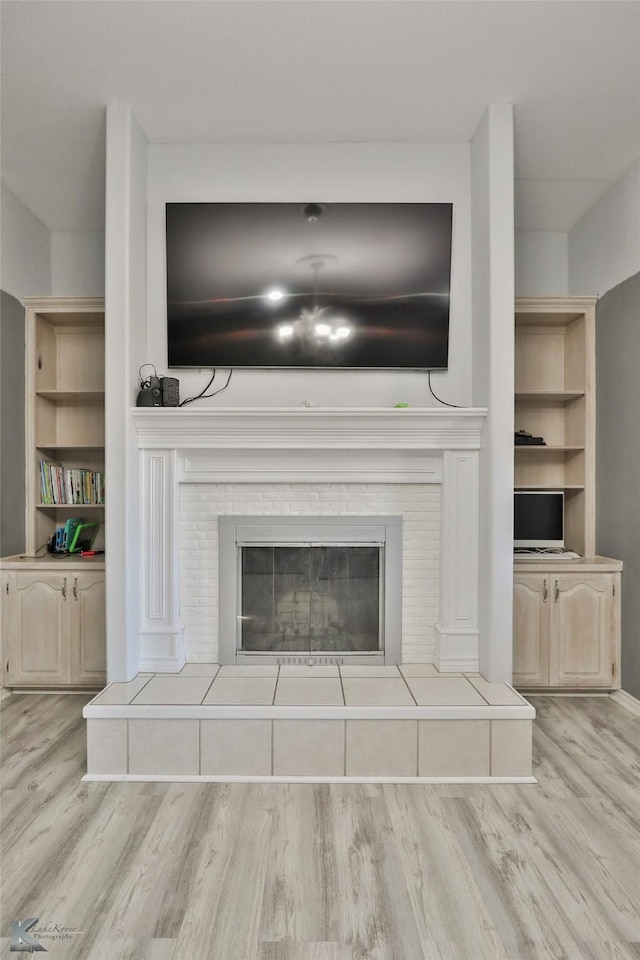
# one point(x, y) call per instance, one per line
point(351, 285)
point(538, 519)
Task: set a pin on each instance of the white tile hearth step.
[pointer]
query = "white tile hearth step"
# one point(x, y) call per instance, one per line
point(229, 725)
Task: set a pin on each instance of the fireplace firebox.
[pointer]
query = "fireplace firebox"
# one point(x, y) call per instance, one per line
point(310, 589)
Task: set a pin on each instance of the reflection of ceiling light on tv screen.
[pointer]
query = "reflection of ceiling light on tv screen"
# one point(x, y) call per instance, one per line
point(305, 328)
point(275, 295)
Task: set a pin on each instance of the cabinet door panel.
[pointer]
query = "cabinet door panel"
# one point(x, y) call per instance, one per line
point(38, 624)
point(582, 631)
point(531, 630)
point(89, 641)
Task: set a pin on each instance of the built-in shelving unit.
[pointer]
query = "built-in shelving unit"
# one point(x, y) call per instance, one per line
point(53, 608)
point(555, 399)
point(64, 404)
point(566, 612)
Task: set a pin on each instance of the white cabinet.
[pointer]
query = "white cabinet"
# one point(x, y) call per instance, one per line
point(53, 627)
point(531, 630)
point(584, 629)
point(566, 628)
point(88, 641)
point(35, 624)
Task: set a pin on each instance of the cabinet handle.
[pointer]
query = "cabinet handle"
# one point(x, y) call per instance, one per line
point(545, 591)
point(64, 589)
point(75, 588)
point(557, 591)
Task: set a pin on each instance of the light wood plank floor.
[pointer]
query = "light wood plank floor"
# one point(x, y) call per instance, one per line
point(146, 871)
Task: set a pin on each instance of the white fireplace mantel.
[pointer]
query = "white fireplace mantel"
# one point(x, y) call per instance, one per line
point(329, 445)
point(310, 427)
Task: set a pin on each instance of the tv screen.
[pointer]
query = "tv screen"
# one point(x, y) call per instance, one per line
point(351, 285)
point(538, 519)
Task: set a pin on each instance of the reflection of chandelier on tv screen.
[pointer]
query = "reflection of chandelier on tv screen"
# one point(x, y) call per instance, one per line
point(314, 323)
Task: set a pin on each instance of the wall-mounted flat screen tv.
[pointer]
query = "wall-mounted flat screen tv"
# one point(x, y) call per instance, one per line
point(331, 285)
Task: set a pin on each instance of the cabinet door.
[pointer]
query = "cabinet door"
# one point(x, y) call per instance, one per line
point(582, 631)
point(531, 629)
point(37, 618)
point(88, 628)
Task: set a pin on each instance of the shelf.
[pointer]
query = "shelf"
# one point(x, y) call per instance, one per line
point(560, 318)
point(546, 448)
point(81, 396)
point(558, 396)
point(549, 486)
point(55, 506)
point(88, 319)
point(86, 447)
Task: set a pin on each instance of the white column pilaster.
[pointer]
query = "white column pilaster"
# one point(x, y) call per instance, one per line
point(161, 643)
point(457, 631)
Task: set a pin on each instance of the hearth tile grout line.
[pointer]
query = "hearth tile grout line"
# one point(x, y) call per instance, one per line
point(468, 679)
point(344, 741)
point(151, 676)
point(344, 702)
point(408, 687)
point(207, 690)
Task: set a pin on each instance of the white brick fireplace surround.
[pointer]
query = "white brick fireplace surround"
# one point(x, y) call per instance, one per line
point(421, 464)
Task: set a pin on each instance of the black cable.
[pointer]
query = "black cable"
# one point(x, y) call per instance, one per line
point(216, 392)
point(202, 392)
point(203, 395)
point(458, 406)
point(144, 384)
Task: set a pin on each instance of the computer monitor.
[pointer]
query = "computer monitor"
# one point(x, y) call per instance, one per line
point(538, 519)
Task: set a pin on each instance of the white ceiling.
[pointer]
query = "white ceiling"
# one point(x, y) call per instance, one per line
point(320, 70)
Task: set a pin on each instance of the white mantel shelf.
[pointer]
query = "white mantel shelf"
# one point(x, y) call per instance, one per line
point(424, 428)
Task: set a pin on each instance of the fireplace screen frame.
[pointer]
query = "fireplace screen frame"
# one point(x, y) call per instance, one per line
point(236, 532)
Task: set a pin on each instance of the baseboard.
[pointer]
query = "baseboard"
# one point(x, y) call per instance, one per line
point(551, 692)
point(627, 701)
point(206, 778)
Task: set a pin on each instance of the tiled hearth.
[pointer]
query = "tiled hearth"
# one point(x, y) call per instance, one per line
point(319, 723)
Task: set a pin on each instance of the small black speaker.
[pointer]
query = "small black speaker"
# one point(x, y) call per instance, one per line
point(170, 392)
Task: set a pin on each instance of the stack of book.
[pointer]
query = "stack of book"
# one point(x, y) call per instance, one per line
point(73, 485)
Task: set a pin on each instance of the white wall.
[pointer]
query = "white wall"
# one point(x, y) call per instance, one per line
point(493, 379)
point(25, 250)
point(77, 264)
point(325, 172)
point(125, 331)
point(542, 263)
point(604, 246)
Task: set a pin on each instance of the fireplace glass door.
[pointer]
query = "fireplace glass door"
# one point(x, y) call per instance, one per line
point(310, 598)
